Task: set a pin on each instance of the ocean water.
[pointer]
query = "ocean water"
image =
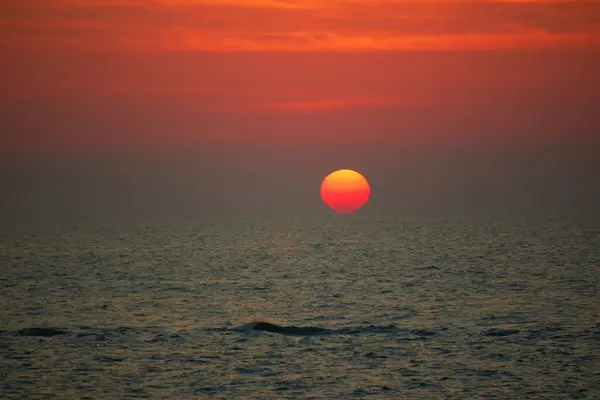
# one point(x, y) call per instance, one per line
point(410, 309)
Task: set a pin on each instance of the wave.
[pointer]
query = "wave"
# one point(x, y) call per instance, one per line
point(312, 330)
point(162, 335)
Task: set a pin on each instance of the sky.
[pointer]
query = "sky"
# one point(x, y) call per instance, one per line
point(199, 108)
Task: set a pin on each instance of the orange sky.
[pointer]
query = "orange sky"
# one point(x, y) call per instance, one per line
point(300, 25)
point(119, 73)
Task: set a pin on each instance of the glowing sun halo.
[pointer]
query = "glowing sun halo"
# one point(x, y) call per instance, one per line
point(345, 191)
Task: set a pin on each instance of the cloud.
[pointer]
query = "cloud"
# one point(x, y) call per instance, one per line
point(311, 25)
point(316, 106)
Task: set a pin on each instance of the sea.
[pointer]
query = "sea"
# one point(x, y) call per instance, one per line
point(336, 307)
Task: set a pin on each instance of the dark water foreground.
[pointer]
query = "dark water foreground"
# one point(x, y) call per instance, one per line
point(342, 308)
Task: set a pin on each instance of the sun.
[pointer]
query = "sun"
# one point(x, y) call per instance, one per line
point(345, 191)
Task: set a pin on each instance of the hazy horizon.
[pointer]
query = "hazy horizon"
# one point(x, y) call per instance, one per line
point(412, 181)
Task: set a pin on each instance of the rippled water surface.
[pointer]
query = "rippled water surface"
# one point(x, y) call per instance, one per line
point(412, 309)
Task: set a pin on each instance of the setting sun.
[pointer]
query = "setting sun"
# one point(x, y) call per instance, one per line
point(345, 191)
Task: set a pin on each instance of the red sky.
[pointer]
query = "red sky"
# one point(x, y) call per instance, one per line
point(150, 75)
point(300, 25)
point(205, 70)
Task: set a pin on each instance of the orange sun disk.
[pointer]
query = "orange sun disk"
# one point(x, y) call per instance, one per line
point(345, 191)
